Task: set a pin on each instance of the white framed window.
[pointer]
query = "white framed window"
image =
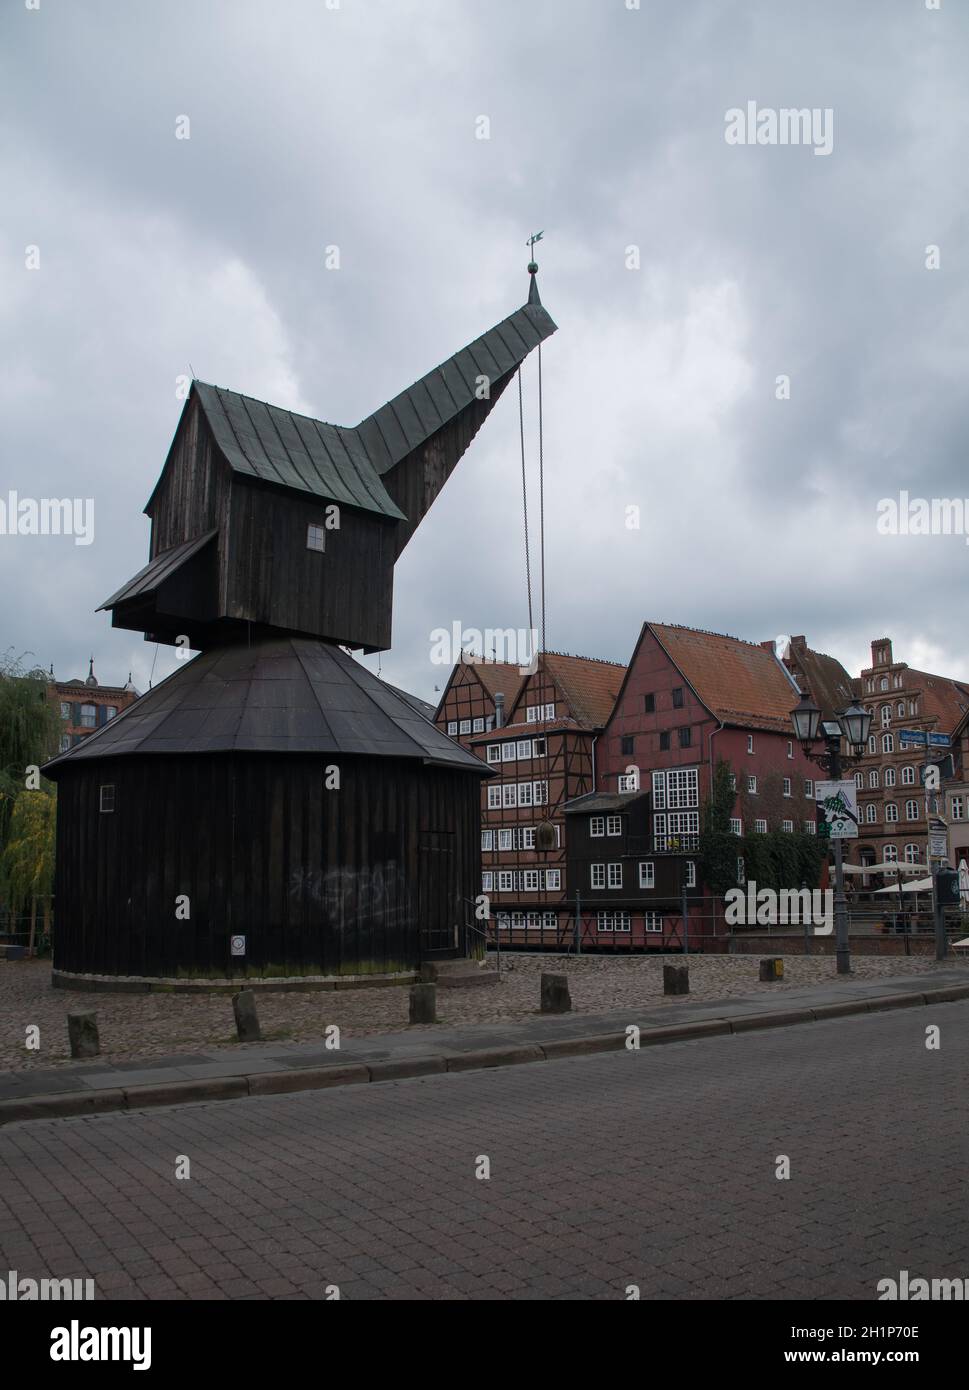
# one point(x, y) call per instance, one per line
point(532, 714)
point(891, 811)
point(525, 793)
point(613, 825)
point(750, 743)
point(621, 921)
point(494, 752)
point(505, 840)
point(509, 794)
point(736, 826)
point(89, 716)
point(885, 714)
point(809, 788)
point(690, 874)
point(913, 708)
point(628, 782)
point(489, 723)
point(503, 921)
point(465, 726)
point(487, 839)
point(107, 797)
point(900, 709)
point(615, 875)
point(889, 777)
point(647, 874)
point(477, 726)
point(518, 919)
point(652, 921)
point(506, 881)
point(452, 728)
point(752, 785)
point(528, 837)
point(494, 797)
point(65, 710)
point(598, 876)
point(508, 753)
point(487, 882)
point(531, 881)
point(890, 854)
point(315, 537)
point(871, 814)
point(790, 748)
point(760, 827)
point(109, 712)
point(553, 879)
point(912, 855)
point(911, 810)
point(538, 747)
point(955, 808)
point(534, 919)
point(872, 744)
point(549, 920)
point(541, 793)
point(604, 921)
point(788, 825)
point(597, 826)
point(810, 827)
point(787, 786)
point(908, 776)
point(524, 747)
point(549, 712)
point(859, 779)
point(873, 777)
point(888, 743)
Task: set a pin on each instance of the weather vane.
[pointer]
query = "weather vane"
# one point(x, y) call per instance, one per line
point(530, 243)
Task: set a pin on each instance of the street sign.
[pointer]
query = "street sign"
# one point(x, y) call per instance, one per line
point(938, 846)
point(940, 740)
point(839, 803)
point(912, 735)
point(238, 945)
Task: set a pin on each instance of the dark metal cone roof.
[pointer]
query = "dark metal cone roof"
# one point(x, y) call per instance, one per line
point(283, 695)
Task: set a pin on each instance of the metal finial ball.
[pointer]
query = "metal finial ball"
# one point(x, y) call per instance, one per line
point(532, 268)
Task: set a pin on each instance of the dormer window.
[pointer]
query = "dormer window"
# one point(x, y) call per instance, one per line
point(315, 537)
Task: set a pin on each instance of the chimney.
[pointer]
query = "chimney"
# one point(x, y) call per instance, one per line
point(499, 709)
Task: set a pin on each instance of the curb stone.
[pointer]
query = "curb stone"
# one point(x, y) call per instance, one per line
point(70, 1104)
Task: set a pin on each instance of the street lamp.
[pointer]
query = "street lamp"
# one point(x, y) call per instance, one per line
point(853, 725)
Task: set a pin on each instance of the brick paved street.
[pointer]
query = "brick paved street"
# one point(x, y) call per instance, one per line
point(655, 1169)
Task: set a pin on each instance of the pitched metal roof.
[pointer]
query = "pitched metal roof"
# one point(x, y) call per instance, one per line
point(344, 464)
point(406, 422)
point(601, 801)
point(282, 695)
point(279, 446)
point(164, 565)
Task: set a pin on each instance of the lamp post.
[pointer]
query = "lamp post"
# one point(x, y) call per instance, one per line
point(852, 725)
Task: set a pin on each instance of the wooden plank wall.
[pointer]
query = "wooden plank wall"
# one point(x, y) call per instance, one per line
point(320, 882)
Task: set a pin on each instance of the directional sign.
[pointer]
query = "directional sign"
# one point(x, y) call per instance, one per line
point(912, 735)
point(839, 802)
point(940, 740)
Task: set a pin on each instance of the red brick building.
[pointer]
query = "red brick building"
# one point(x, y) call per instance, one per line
point(86, 705)
point(543, 747)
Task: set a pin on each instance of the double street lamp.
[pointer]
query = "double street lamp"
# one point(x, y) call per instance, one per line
point(852, 725)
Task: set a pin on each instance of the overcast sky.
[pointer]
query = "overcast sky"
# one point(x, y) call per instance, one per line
point(355, 126)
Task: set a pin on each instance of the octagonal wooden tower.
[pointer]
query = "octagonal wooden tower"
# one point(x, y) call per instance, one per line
point(272, 790)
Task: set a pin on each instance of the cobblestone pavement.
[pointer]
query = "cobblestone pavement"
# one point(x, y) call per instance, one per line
point(655, 1169)
point(145, 1025)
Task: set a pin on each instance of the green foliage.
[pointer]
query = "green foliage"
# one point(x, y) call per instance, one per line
point(718, 850)
point(29, 729)
point(27, 863)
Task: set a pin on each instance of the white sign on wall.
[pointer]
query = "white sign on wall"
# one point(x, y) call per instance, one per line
point(238, 944)
point(839, 801)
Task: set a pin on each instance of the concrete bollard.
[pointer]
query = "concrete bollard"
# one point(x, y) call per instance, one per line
point(82, 1033)
point(676, 979)
point(247, 1020)
point(423, 1003)
point(555, 995)
point(771, 969)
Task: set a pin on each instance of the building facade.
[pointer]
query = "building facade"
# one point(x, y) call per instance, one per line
point(86, 705)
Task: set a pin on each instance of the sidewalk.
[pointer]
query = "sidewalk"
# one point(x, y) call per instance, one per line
point(266, 1069)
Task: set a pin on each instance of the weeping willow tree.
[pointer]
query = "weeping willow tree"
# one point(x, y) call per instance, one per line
point(27, 863)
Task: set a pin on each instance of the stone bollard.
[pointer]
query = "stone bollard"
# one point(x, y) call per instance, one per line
point(247, 1020)
point(82, 1033)
point(423, 1003)
point(676, 979)
point(555, 994)
point(771, 969)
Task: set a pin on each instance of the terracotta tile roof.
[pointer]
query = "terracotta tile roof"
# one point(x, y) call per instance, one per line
point(590, 686)
point(498, 676)
point(824, 676)
point(531, 730)
point(742, 683)
point(944, 699)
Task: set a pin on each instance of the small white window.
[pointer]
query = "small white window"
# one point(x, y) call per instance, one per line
point(487, 839)
point(477, 726)
point(629, 782)
point(598, 879)
point(505, 840)
point(957, 808)
point(872, 744)
point(890, 854)
point(538, 747)
point(652, 921)
point(65, 711)
point(525, 793)
point(752, 784)
point(549, 919)
point(787, 786)
point(859, 779)
point(506, 880)
point(528, 836)
point(736, 826)
point(597, 826)
point(615, 875)
point(452, 728)
point(809, 788)
point(524, 748)
point(750, 743)
point(810, 828)
point(465, 726)
point(107, 796)
point(871, 814)
point(509, 794)
point(908, 776)
point(494, 797)
point(873, 777)
point(790, 748)
point(553, 878)
point(508, 752)
point(494, 752)
point(912, 855)
point(647, 874)
point(613, 825)
point(760, 827)
point(888, 743)
point(487, 882)
point(531, 714)
point(109, 712)
point(690, 874)
point(541, 793)
point(315, 537)
point(549, 712)
point(889, 777)
point(89, 716)
point(891, 811)
point(788, 825)
point(531, 880)
point(911, 810)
